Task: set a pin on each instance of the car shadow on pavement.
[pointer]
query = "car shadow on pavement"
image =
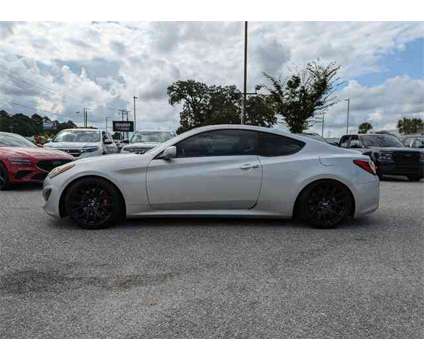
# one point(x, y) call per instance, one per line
point(397, 179)
point(24, 187)
point(140, 223)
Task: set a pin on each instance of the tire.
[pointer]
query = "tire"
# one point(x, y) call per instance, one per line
point(325, 204)
point(4, 178)
point(414, 178)
point(94, 203)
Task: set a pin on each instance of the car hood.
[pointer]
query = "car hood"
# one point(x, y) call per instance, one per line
point(95, 161)
point(69, 145)
point(36, 153)
point(143, 145)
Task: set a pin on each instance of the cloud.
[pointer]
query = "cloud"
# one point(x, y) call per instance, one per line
point(381, 105)
point(63, 67)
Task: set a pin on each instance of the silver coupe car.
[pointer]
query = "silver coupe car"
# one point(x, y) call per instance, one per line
point(221, 170)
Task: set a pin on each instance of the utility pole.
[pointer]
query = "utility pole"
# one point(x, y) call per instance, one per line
point(243, 113)
point(86, 117)
point(124, 111)
point(106, 119)
point(322, 125)
point(135, 118)
point(347, 115)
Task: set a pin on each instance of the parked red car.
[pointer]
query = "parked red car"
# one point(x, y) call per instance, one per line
point(23, 162)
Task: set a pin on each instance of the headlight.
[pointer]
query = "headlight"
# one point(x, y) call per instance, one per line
point(89, 149)
point(20, 161)
point(385, 156)
point(59, 170)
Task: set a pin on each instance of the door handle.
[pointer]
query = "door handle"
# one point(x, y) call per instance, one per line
point(249, 166)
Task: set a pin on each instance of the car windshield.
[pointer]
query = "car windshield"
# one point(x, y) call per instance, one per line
point(151, 136)
point(381, 141)
point(77, 136)
point(14, 140)
point(418, 142)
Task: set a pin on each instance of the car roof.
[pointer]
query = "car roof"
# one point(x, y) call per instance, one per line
point(251, 127)
point(79, 129)
point(10, 134)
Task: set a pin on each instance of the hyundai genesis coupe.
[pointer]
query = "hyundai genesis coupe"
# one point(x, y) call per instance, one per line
point(220, 170)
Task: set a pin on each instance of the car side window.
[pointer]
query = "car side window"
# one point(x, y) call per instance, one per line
point(227, 142)
point(344, 141)
point(355, 142)
point(277, 145)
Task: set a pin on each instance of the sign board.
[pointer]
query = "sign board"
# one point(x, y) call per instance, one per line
point(123, 126)
point(49, 124)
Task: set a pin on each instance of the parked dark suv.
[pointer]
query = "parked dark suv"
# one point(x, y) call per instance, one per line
point(388, 153)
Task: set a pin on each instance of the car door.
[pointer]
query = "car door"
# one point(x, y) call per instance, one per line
point(111, 147)
point(217, 169)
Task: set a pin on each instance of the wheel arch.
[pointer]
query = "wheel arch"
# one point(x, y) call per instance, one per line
point(311, 183)
point(62, 207)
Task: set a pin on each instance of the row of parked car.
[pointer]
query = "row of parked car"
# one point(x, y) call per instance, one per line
point(21, 161)
point(391, 155)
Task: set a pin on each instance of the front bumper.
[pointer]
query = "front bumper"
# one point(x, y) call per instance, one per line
point(51, 196)
point(395, 169)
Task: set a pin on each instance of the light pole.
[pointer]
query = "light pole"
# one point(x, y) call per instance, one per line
point(243, 114)
point(322, 125)
point(77, 112)
point(135, 118)
point(106, 119)
point(347, 115)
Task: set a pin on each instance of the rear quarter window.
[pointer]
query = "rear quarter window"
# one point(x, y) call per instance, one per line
point(277, 145)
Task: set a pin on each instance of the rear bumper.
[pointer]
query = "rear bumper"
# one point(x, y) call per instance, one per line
point(367, 198)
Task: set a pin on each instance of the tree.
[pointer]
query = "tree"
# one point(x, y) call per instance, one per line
point(410, 125)
point(303, 94)
point(207, 105)
point(364, 128)
point(29, 126)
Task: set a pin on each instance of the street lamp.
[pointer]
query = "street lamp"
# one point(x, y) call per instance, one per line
point(243, 114)
point(347, 115)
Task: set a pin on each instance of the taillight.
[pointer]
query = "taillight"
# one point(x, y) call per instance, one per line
point(366, 165)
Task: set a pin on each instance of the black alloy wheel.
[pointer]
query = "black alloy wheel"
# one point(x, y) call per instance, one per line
point(326, 203)
point(4, 178)
point(94, 203)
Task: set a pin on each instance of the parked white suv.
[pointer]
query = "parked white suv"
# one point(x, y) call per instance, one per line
point(83, 142)
point(143, 141)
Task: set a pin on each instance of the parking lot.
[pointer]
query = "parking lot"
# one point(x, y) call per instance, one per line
point(213, 278)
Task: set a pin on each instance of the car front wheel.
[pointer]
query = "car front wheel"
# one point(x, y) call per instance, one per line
point(94, 203)
point(325, 203)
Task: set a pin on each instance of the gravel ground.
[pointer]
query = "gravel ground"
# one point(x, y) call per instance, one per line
point(184, 278)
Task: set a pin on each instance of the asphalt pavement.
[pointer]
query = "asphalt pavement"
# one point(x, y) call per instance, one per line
point(180, 278)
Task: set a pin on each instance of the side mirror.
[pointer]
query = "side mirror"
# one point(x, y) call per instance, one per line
point(169, 153)
point(126, 141)
point(107, 142)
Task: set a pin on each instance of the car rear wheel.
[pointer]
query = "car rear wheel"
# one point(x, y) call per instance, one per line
point(4, 178)
point(94, 203)
point(325, 203)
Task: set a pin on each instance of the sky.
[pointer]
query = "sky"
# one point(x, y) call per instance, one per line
point(57, 69)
